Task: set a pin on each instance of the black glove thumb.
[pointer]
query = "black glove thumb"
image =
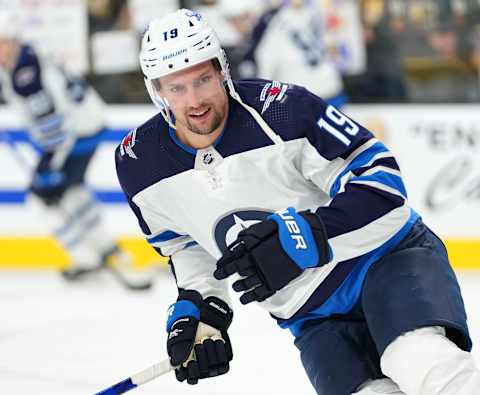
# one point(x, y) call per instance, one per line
point(181, 339)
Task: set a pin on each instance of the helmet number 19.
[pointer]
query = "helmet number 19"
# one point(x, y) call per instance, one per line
point(170, 34)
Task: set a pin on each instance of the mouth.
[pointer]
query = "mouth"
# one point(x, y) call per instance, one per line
point(200, 115)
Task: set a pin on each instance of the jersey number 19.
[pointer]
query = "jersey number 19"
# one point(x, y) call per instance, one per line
point(338, 125)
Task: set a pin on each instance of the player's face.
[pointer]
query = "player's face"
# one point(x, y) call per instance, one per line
point(197, 98)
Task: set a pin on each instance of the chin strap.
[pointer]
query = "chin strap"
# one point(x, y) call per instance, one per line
point(258, 118)
point(161, 103)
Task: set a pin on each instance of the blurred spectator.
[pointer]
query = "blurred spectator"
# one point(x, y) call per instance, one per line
point(467, 21)
point(475, 47)
point(449, 65)
point(113, 16)
point(106, 15)
point(384, 79)
point(470, 50)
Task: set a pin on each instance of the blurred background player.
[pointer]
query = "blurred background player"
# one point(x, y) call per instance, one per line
point(288, 43)
point(65, 121)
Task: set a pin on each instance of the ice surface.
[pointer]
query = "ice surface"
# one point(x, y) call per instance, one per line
point(60, 338)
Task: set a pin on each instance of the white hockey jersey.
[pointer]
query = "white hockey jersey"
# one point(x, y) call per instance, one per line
point(288, 44)
point(192, 203)
point(55, 105)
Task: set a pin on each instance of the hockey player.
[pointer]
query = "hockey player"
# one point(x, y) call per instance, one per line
point(265, 182)
point(298, 28)
point(65, 120)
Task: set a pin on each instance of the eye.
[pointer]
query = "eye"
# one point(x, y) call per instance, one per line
point(176, 89)
point(205, 79)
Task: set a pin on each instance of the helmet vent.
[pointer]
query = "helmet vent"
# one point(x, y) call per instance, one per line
point(186, 60)
point(170, 66)
point(190, 23)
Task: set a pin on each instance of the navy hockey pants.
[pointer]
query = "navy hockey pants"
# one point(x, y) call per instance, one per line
point(411, 287)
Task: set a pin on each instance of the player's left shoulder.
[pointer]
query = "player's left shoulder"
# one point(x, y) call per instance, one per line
point(136, 153)
point(267, 96)
point(126, 146)
point(137, 143)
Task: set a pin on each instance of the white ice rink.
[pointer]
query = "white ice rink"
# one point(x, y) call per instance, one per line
point(76, 339)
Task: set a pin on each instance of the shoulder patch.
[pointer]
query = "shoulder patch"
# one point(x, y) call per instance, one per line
point(127, 144)
point(272, 91)
point(25, 76)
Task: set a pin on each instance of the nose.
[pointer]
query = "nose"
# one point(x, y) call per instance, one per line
point(193, 98)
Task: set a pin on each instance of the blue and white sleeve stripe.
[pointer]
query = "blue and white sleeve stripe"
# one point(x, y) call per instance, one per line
point(369, 199)
point(47, 131)
point(49, 123)
point(169, 242)
point(367, 165)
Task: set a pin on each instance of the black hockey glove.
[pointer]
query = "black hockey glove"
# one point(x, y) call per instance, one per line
point(270, 254)
point(198, 343)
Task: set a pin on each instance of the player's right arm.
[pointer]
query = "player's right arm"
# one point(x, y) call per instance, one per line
point(198, 343)
point(30, 87)
point(31, 91)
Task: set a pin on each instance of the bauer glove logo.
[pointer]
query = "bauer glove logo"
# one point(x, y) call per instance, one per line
point(293, 229)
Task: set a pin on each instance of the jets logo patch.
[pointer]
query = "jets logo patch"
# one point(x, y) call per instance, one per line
point(272, 91)
point(227, 227)
point(127, 144)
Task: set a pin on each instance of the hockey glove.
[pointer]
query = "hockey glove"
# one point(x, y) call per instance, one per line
point(48, 184)
point(198, 343)
point(270, 254)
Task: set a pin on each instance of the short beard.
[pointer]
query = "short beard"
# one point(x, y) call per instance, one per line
point(216, 121)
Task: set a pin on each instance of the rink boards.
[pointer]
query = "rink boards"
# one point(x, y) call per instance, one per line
point(437, 146)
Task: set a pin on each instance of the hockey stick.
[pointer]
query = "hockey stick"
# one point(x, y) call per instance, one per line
point(17, 155)
point(140, 378)
point(58, 159)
